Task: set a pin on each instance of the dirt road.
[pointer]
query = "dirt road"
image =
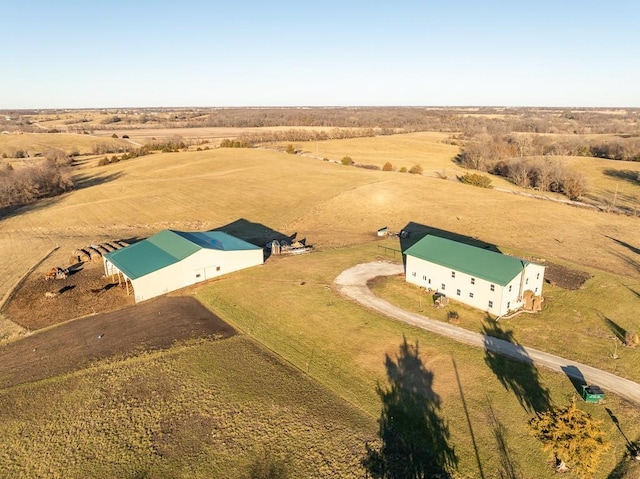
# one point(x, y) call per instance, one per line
point(353, 283)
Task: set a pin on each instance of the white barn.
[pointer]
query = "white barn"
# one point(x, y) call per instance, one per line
point(170, 260)
point(483, 279)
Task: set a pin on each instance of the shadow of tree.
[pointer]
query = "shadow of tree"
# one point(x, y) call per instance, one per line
point(617, 330)
point(520, 376)
point(414, 438)
point(633, 249)
point(628, 466)
point(627, 175)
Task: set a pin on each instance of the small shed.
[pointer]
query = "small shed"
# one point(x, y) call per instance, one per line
point(592, 394)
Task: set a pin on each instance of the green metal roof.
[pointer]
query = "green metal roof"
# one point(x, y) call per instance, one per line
point(480, 263)
point(168, 247)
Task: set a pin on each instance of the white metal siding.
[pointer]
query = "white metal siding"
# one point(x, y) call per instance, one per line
point(419, 272)
point(206, 263)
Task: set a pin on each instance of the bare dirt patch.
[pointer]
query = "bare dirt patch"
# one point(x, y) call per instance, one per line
point(564, 277)
point(82, 293)
point(74, 345)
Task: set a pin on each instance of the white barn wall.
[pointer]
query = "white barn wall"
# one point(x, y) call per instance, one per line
point(207, 263)
point(504, 298)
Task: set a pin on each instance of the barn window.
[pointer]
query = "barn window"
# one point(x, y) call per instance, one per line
point(491, 304)
point(536, 290)
point(471, 295)
point(538, 276)
point(453, 274)
point(413, 274)
point(429, 281)
point(198, 275)
point(458, 292)
point(473, 281)
point(442, 286)
point(508, 304)
point(217, 268)
point(526, 281)
point(509, 288)
point(493, 287)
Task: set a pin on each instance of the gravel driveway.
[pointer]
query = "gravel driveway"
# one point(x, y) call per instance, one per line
point(353, 283)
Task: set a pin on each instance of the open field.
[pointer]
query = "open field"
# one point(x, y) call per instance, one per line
point(426, 149)
point(212, 135)
point(611, 182)
point(201, 410)
point(37, 143)
point(293, 310)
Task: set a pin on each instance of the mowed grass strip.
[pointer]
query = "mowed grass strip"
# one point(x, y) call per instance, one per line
point(293, 309)
point(204, 410)
point(584, 325)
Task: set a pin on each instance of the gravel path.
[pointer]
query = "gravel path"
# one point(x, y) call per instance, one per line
point(353, 283)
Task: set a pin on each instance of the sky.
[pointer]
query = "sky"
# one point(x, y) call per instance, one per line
point(157, 53)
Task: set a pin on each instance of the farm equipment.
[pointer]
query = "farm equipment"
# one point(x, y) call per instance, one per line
point(592, 394)
point(56, 273)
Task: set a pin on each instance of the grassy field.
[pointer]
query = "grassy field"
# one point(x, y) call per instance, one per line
point(209, 409)
point(294, 310)
point(35, 143)
point(579, 324)
point(292, 307)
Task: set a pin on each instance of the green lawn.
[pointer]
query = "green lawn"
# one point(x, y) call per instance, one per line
point(293, 309)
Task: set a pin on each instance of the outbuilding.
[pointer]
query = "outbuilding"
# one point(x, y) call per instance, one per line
point(484, 279)
point(170, 260)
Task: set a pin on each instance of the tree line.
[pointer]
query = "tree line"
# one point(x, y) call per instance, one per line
point(26, 184)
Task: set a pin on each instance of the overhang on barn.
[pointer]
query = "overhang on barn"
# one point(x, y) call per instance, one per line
point(482, 278)
point(171, 260)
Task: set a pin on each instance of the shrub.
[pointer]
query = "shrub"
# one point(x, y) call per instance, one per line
point(453, 317)
point(346, 160)
point(125, 137)
point(369, 167)
point(104, 161)
point(416, 170)
point(4, 155)
point(631, 339)
point(403, 169)
point(114, 135)
point(291, 149)
point(476, 179)
point(387, 167)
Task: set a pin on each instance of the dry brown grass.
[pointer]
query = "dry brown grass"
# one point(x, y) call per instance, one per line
point(331, 204)
point(34, 143)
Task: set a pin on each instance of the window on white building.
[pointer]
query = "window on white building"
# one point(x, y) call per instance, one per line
point(413, 274)
point(508, 304)
point(491, 304)
point(473, 281)
point(453, 274)
point(538, 276)
point(526, 281)
point(442, 286)
point(493, 287)
point(458, 292)
point(429, 281)
point(471, 295)
point(509, 288)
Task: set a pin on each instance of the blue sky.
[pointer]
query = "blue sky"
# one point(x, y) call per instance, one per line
point(84, 54)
